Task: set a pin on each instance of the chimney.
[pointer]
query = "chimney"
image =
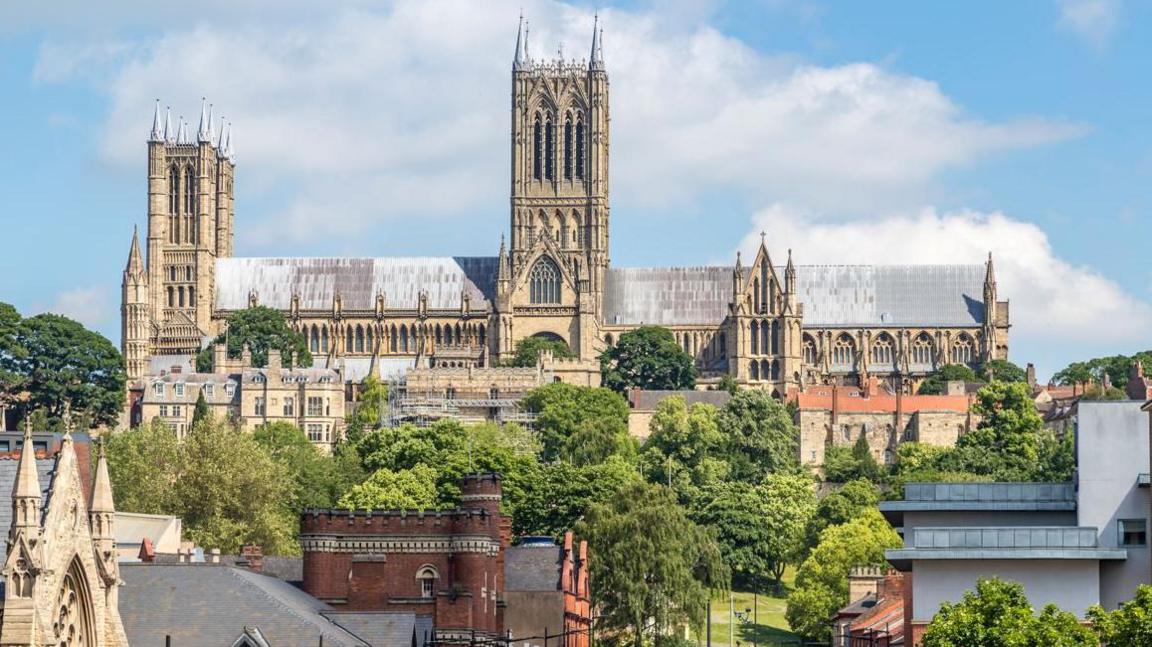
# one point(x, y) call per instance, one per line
point(219, 358)
point(862, 581)
point(274, 366)
point(1031, 372)
point(253, 557)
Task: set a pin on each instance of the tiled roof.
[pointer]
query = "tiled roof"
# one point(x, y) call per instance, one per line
point(532, 568)
point(832, 295)
point(44, 467)
point(357, 280)
point(212, 605)
point(384, 629)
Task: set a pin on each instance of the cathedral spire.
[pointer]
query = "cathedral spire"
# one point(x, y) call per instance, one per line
point(225, 139)
point(790, 274)
point(157, 134)
point(596, 60)
point(521, 58)
point(169, 133)
point(203, 133)
point(135, 260)
point(102, 487)
point(211, 126)
point(182, 133)
point(989, 273)
point(26, 494)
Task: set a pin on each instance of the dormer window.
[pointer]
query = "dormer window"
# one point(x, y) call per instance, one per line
point(179, 389)
point(158, 389)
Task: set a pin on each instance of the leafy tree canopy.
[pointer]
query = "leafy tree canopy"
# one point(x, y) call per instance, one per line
point(1128, 626)
point(936, 383)
point(319, 479)
point(1116, 367)
point(550, 499)
point(1006, 442)
point(261, 328)
point(528, 350)
point(49, 361)
point(371, 405)
point(563, 410)
point(759, 435)
point(684, 448)
point(654, 567)
point(852, 500)
point(822, 580)
point(410, 489)
point(1002, 370)
point(843, 463)
point(997, 614)
point(647, 358)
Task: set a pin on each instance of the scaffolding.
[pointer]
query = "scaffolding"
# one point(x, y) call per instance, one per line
point(422, 409)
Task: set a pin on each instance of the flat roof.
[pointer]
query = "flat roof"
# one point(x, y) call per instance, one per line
point(996, 542)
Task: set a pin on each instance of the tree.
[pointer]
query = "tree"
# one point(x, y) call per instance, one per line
point(822, 580)
point(1002, 370)
point(551, 498)
point(684, 448)
point(319, 479)
point(727, 383)
point(402, 489)
point(11, 382)
point(528, 350)
point(849, 502)
point(261, 329)
point(759, 435)
point(760, 527)
point(56, 361)
point(652, 565)
point(1005, 444)
point(596, 440)
point(998, 614)
point(843, 463)
point(562, 409)
point(937, 383)
point(200, 412)
point(1116, 367)
point(143, 464)
point(647, 358)
point(1128, 626)
point(369, 409)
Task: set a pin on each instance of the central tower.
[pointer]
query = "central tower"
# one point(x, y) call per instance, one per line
point(560, 160)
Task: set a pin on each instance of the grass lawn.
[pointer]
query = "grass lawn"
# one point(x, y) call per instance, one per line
point(770, 628)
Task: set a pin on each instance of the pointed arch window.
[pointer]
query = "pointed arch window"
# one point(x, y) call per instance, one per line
point(314, 340)
point(883, 351)
point(809, 351)
point(568, 147)
point(844, 354)
point(579, 147)
point(549, 148)
point(923, 354)
point(963, 350)
point(764, 284)
point(775, 337)
point(544, 282)
point(537, 152)
point(754, 370)
point(359, 339)
point(324, 339)
point(754, 337)
point(765, 338)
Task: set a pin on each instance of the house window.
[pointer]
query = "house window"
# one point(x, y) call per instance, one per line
point(230, 389)
point(427, 579)
point(315, 406)
point(316, 432)
point(289, 406)
point(1133, 532)
point(179, 389)
point(209, 390)
point(163, 411)
point(158, 389)
point(260, 408)
point(177, 411)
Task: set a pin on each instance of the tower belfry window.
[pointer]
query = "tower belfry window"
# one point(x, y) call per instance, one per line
point(579, 148)
point(544, 282)
point(537, 157)
point(549, 149)
point(568, 148)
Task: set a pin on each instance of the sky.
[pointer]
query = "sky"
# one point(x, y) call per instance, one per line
point(849, 132)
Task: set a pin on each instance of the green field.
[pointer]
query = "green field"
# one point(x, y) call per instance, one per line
point(770, 628)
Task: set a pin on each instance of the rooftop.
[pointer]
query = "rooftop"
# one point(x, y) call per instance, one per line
point(1013, 542)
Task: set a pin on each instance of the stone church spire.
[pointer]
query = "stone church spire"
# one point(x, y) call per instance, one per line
point(157, 134)
point(790, 275)
point(204, 133)
point(521, 59)
point(135, 260)
point(26, 493)
point(596, 59)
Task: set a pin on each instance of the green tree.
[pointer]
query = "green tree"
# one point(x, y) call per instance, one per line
point(822, 580)
point(402, 489)
point(758, 434)
point(1095, 392)
point(11, 382)
point(551, 498)
point(319, 479)
point(727, 383)
point(653, 566)
point(596, 440)
point(1128, 626)
point(647, 358)
point(144, 464)
point(998, 614)
point(56, 361)
point(843, 463)
point(760, 527)
point(684, 448)
point(937, 382)
point(528, 350)
point(1116, 367)
point(562, 409)
point(1002, 370)
point(261, 329)
point(852, 500)
point(1006, 442)
point(200, 412)
point(370, 407)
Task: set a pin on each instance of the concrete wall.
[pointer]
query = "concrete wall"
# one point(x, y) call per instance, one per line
point(1072, 584)
point(1112, 450)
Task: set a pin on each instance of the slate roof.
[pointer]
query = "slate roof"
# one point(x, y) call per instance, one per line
point(357, 280)
point(832, 295)
point(212, 605)
point(44, 468)
point(385, 629)
point(532, 568)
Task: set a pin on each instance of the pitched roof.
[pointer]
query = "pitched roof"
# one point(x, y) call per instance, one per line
point(533, 567)
point(384, 629)
point(357, 280)
point(213, 605)
point(44, 469)
point(832, 295)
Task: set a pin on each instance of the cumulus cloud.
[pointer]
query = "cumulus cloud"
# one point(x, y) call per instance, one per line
point(364, 116)
point(1094, 21)
point(1058, 307)
point(88, 305)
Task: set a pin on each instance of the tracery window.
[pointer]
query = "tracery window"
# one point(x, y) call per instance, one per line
point(537, 153)
point(359, 339)
point(568, 148)
point(544, 282)
point(579, 147)
point(883, 351)
point(963, 350)
point(549, 148)
point(73, 625)
point(923, 355)
point(809, 351)
point(844, 354)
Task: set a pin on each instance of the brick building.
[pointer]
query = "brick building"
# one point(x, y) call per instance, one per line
point(446, 565)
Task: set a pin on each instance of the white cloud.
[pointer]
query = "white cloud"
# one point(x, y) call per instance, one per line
point(1092, 20)
point(88, 305)
point(1061, 309)
point(352, 120)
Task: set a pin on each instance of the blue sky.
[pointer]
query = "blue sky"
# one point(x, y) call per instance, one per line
point(847, 131)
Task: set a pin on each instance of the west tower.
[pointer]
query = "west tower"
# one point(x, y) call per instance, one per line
point(560, 159)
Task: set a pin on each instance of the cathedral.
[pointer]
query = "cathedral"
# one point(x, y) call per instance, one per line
point(766, 325)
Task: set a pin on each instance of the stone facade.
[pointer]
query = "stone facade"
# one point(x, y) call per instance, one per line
point(838, 415)
point(310, 398)
point(446, 564)
point(61, 577)
point(768, 326)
